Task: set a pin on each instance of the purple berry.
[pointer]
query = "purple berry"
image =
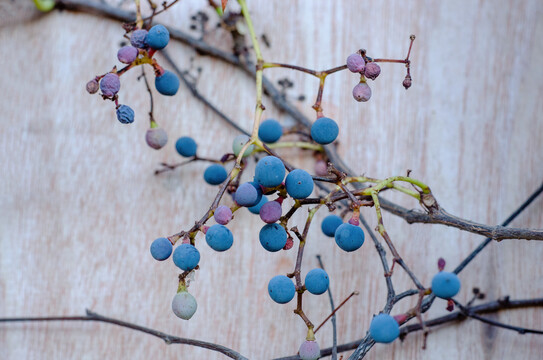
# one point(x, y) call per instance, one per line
point(127, 54)
point(355, 63)
point(362, 92)
point(372, 70)
point(138, 39)
point(222, 215)
point(247, 195)
point(156, 138)
point(92, 86)
point(110, 84)
point(270, 212)
point(125, 114)
point(309, 350)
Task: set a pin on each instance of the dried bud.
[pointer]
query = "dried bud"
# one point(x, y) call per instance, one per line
point(156, 138)
point(355, 63)
point(441, 264)
point(92, 86)
point(407, 82)
point(321, 168)
point(372, 70)
point(400, 318)
point(450, 305)
point(354, 221)
point(362, 92)
point(289, 244)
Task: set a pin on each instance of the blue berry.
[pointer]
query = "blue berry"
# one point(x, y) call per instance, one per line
point(239, 142)
point(324, 130)
point(384, 328)
point(222, 215)
point(215, 174)
point(125, 114)
point(349, 237)
point(281, 289)
point(445, 285)
point(219, 237)
point(299, 184)
point(110, 84)
point(270, 131)
point(127, 54)
point(167, 83)
point(270, 212)
point(273, 237)
point(161, 249)
point(256, 209)
point(316, 281)
point(246, 195)
point(186, 257)
point(269, 171)
point(137, 39)
point(186, 146)
point(330, 224)
point(158, 37)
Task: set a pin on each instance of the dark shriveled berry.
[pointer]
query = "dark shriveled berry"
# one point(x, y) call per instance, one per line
point(92, 86)
point(138, 39)
point(372, 70)
point(407, 82)
point(125, 114)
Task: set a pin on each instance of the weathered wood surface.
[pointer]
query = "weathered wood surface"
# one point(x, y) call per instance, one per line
point(80, 204)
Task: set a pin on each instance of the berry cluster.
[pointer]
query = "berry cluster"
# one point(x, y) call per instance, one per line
point(143, 45)
point(368, 69)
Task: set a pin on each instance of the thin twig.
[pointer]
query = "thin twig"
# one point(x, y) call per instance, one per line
point(334, 328)
point(168, 339)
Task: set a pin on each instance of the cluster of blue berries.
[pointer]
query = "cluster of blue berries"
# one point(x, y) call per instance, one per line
point(143, 45)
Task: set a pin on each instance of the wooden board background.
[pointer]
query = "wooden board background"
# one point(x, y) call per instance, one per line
point(80, 204)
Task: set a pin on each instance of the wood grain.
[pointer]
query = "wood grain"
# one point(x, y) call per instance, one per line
point(80, 205)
